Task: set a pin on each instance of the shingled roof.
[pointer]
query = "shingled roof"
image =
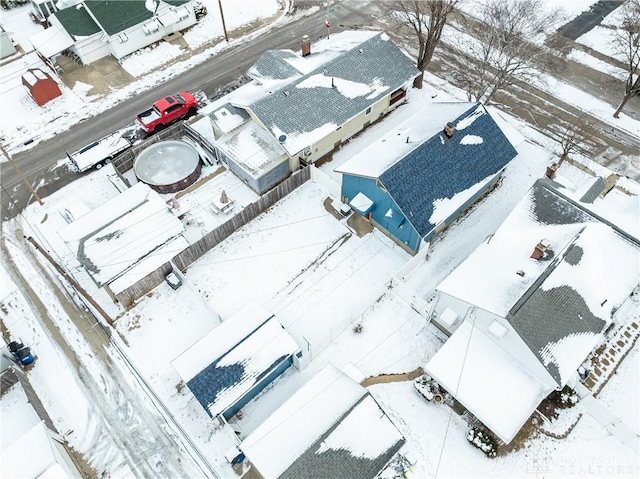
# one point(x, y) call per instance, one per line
point(341, 84)
point(77, 21)
point(226, 364)
point(330, 428)
point(561, 303)
point(118, 16)
point(442, 167)
point(274, 65)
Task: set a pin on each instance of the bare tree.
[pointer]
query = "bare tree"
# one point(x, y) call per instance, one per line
point(427, 18)
point(573, 138)
point(501, 51)
point(626, 44)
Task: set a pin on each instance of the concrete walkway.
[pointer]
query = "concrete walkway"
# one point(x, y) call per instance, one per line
point(607, 419)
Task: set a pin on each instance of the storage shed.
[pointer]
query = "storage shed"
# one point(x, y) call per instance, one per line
point(229, 366)
point(40, 85)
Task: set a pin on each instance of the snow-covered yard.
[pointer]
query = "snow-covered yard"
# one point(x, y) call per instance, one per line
point(317, 276)
point(296, 262)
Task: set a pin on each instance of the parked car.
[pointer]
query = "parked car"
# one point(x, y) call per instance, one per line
point(167, 110)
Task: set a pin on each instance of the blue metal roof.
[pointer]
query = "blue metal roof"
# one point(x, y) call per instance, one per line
point(442, 167)
point(230, 363)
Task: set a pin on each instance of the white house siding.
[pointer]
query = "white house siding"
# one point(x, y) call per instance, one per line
point(137, 38)
point(90, 49)
point(6, 45)
point(350, 128)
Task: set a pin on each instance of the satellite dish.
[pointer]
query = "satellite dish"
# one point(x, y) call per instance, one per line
point(282, 138)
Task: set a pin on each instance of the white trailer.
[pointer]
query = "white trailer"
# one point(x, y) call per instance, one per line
point(99, 152)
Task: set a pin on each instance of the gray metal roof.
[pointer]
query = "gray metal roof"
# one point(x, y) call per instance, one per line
point(294, 110)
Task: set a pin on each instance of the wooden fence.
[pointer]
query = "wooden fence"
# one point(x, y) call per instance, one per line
point(198, 249)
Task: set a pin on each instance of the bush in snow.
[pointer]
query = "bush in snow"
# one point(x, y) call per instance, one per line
point(564, 399)
point(9, 4)
point(200, 10)
point(483, 441)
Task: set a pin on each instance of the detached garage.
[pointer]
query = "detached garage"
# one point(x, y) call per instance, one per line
point(228, 367)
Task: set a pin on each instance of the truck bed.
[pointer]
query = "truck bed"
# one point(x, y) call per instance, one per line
point(149, 116)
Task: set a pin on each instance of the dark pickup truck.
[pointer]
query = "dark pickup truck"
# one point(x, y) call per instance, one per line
point(167, 110)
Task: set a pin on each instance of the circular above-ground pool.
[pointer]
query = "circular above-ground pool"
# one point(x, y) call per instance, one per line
point(168, 166)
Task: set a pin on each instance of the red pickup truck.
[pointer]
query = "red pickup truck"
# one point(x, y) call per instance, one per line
point(167, 110)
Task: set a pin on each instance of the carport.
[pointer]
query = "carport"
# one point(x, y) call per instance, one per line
point(50, 43)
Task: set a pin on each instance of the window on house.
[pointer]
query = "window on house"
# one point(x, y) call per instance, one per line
point(367, 111)
point(151, 27)
point(122, 37)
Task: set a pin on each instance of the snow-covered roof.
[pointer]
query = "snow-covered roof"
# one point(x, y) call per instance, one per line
point(560, 303)
point(33, 75)
point(252, 147)
point(27, 449)
point(330, 424)
point(486, 381)
point(341, 77)
point(378, 156)
point(121, 232)
point(274, 66)
point(620, 205)
point(51, 41)
point(228, 362)
point(149, 263)
point(428, 175)
point(20, 459)
point(227, 117)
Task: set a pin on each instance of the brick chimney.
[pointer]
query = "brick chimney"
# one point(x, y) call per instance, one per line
point(540, 249)
point(306, 46)
point(449, 129)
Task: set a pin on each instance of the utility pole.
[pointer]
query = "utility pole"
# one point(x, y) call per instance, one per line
point(329, 9)
point(224, 26)
point(35, 195)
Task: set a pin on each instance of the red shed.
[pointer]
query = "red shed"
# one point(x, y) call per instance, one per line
point(41, 86)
